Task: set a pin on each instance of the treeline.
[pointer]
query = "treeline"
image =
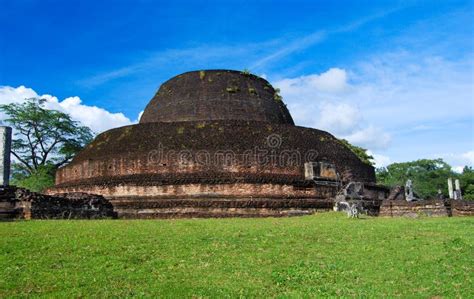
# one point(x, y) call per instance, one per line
point(428, 176)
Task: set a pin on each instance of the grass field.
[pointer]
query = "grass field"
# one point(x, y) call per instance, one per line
point(320, 255)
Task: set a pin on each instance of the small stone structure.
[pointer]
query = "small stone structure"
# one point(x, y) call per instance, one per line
point(320, 171)
point(456, 192)
point(409, 194)
point(450, 188)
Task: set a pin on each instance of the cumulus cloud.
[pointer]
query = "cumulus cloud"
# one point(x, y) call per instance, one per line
point(333, 80)
point(339, 118)
point(370, 137)
point(96, 118)
point(324, 101)
point(386, 99)
point(411, 90)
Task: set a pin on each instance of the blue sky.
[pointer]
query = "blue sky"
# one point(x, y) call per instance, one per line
point(395, 77)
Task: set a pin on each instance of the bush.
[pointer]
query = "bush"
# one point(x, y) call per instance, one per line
point(38, 181)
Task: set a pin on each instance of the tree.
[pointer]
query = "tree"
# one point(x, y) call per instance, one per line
point(360, 152)
point(428, 176)
point(467, 183)
point(37, 181)
point(44, 140)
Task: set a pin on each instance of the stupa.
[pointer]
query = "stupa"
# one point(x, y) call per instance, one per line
point(214, 143)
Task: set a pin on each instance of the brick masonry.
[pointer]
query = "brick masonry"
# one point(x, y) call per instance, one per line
point(217, 132)
point(396, 208)
point(215, 150)
point(216, 95)
point(462, 207)
point(18, 203)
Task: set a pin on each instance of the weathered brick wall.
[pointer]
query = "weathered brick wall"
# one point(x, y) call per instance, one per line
point(63, 206)
point(8, 208)
point(202, 190)
point(212, 200)
point(167, 169)
point(210, 150)
point(462, 207)
point(180, 208)
point(18, 203)
point(206, 200)
point(396, 208)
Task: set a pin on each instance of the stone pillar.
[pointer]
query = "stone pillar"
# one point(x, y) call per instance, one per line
point(457, 190)
point(409, 196)
point(5, 148)
point(309, 170)
point(450, 188)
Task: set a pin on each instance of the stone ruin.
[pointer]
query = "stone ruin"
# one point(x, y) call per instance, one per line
point(456, 192)
point(19, 203)
point(213, 143)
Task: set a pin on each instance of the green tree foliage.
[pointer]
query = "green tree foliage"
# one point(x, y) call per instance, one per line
point(467, 183)
point(428, 176)
point(44, 140)
point(360, 152)
point(40, 179)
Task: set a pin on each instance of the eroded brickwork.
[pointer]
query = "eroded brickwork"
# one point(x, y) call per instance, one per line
point(216, 95)
point(210, 150)
point(462, 207)
point(396, 208)
point(202, 190)
point(216, 142)
point(19, 203)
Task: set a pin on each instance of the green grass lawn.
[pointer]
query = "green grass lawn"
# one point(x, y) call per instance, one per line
point(312, 256)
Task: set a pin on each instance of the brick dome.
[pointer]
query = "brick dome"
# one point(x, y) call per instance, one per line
point(209, 95)
point(211, 144)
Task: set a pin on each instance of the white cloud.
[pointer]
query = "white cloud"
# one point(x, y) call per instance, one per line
point(399, 94)
point(380, 160)
point(96, 118)
point(412, 90)
point(338, 118)
point(461, 160)
point(370, 137)
point(325, 101)
point(10, 94)
point(333, 80)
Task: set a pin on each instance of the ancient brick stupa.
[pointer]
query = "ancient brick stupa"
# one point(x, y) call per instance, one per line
point(213, 143)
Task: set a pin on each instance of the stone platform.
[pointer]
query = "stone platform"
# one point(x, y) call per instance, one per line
point(235, 198)
point(217, 207)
